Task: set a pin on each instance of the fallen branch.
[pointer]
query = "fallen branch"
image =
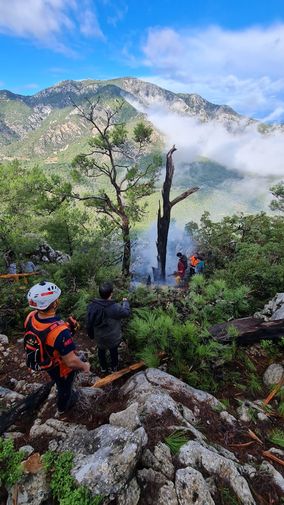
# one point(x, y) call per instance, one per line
point(246, 444)
point(254, 437)
point(269, 455)
point(116, 375)
point(120, 373)
point(274, 392)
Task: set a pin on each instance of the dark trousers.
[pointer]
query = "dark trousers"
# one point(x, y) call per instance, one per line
point(65, 395)
point(113, 358)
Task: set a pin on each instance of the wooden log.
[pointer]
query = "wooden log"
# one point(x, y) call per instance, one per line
point(116, 375)
point(249, 330)
point(16, 277)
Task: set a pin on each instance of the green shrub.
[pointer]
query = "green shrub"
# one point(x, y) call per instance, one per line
point(10, 463)
point(62, 484)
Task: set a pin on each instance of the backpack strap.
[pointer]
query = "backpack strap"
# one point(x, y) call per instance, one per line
point(28, 318)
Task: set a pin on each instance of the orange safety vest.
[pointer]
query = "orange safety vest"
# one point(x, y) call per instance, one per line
point(50, 339)
point(193, 261)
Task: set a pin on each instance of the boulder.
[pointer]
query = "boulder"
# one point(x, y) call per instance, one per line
point(45, 253)
point(167, 495)
point(127, 418)
point(160, 460)
point(4, 340)
point(130, 495)
point(266, 469)
point(33, 489)
point(191, 488)
point(273, 310)
point(273, 374)
point(105, 458)
point(55, 429)
point(27, 450)
point(173, 385)
point(195, 455)
point(151, 483)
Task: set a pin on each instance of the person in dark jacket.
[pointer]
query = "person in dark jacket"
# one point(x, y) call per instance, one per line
point(104, 324)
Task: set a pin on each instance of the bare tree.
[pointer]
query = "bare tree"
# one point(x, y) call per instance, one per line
point(164, 217)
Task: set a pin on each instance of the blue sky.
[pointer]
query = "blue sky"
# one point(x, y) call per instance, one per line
point(228, 52)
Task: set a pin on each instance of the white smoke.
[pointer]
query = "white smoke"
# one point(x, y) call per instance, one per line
point(145, 251)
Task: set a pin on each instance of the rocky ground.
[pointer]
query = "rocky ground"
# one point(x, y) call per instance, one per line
point(121, 436)
point(118, 438)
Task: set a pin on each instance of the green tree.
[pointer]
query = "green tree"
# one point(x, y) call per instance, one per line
point(127, 171)
point(244, 250)
point(278, 193)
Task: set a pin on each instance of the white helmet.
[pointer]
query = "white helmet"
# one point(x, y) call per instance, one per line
point(43, 294)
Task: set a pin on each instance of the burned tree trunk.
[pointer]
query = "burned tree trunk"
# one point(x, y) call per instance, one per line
point(164, 216)
point(249, 330)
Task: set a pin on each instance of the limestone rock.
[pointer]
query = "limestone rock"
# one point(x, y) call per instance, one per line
point(27, 450)
point(268, 469)
point(191, 488)
point(130, 495)
point(55, 429)
point(33, 489)
point(136, 387)
point(172, 384)
point(160, 460)
point(105, 458)
point(228, 417)
point(167, 495)
point(127, 418)
point(4, 340)
point(273, 310)
point(189, 415)
point(195, 455)
point(273, 374)
point(159, 404)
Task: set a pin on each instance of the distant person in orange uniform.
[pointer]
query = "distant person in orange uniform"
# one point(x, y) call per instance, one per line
point(193, 262)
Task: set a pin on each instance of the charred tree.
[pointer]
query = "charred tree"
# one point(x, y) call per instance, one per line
point(164, 216)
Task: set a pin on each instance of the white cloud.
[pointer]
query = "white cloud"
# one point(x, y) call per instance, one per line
point(249, 152)
point(48, 21)
point(241, 68)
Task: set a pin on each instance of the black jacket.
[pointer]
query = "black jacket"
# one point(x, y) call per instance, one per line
point(103, 321)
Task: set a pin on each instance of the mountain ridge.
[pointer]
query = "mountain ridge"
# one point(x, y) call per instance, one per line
point(44, 125)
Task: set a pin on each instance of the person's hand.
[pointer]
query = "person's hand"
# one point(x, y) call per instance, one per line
point(86, 368)
point(73, 324)
point(124, 299)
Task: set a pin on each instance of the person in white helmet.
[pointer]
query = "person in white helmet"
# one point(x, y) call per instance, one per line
point(59, 359)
